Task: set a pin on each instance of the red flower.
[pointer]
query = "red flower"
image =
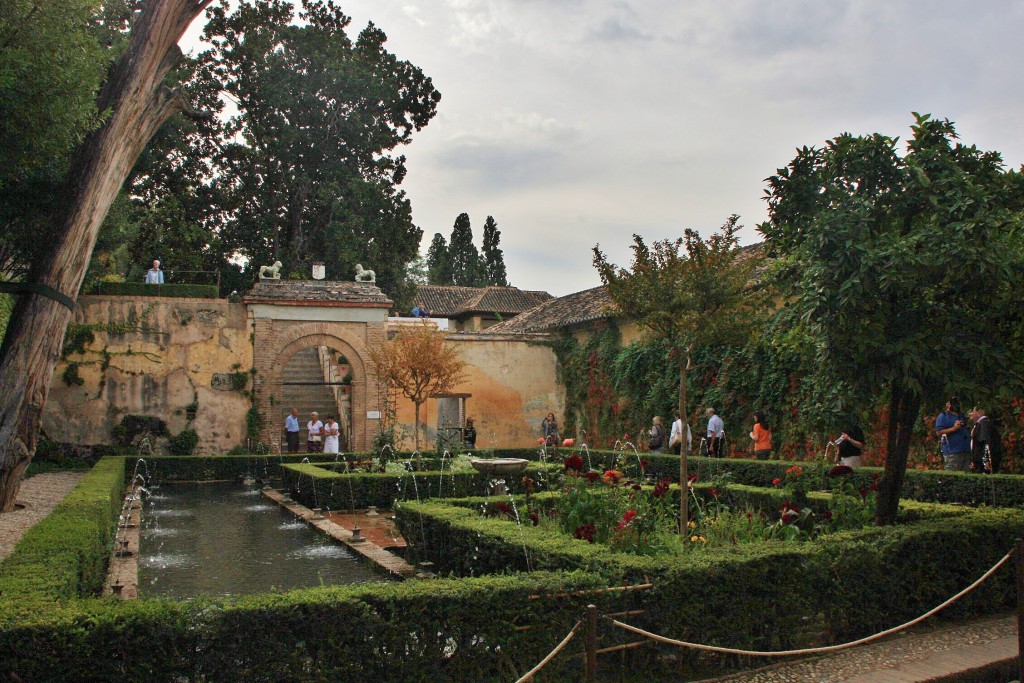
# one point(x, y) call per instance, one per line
point(795, 470)
point(692, 479)
point(573, 463)
point(585, 532)
point(643, 465)
point(627, 517)
point(535, 518)
point(569, 442)
point(612, 476)
point(840, 471)
point(776, 481)
point(661, 488)
point(592, 476)
point(625, 437)
point(713, 491)
point(542, 441)
point(504, 508)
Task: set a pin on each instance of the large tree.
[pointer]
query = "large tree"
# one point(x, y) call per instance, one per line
point(418, 363)
point(905, 270)
point(137, 102)
point(306, 170)
point(690, 292)
point(492, 255)
point(439, 270)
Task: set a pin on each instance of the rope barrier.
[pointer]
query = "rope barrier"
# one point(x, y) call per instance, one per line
point(816, 650)
point(558, 648)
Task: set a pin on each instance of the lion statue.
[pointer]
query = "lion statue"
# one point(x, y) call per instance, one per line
point(365, 275)
point(271, 272)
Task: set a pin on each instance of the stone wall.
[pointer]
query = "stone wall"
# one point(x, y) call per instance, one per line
point(512, 384)
point(155, 356)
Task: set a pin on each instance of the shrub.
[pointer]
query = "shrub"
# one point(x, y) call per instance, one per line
point(184, 443)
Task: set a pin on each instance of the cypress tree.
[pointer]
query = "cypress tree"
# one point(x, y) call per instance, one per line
point(493, 257)
point(463, 257)
point(439, 271)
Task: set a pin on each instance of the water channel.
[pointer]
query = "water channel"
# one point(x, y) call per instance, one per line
point(221, 539)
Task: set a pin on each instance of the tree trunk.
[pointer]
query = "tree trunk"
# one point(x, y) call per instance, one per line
point(904, 407)
point(684, 449)
point(138, 104)
point(416, 426)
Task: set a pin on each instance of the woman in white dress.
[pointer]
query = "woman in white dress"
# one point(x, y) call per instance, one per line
point(314, 436)
point(331, 435)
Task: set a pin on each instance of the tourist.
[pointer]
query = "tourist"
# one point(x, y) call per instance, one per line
point(420, 311)
point(675, 438)
point(314, 434)
point(291, 431)
point(762, 437)
point(716, 434)
point(656, 436)
point(469, 435)
point(851, 445)
point(549, 429)
point(155, 276)
point(986, 444)
point(331, 432)
point(955, 440)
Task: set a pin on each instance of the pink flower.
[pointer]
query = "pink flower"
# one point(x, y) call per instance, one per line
point(569, 442)
point(542, 441)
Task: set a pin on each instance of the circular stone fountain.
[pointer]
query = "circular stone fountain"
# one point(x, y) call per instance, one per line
point(496, 467)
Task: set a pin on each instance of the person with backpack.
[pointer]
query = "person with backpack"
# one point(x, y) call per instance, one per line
point(656, 436)
point(986, 444)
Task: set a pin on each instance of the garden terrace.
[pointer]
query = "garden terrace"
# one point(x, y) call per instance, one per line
point(324, 487)
point(761, 595)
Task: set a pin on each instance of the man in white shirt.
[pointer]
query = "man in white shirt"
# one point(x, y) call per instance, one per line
point(716, 433)
point(675, 438)
point(291, 429)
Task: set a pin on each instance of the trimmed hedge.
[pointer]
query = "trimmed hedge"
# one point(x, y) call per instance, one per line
point(322, 487)
point(763, 595)
point(172, 468)
point(142, 289)
point(65, 555)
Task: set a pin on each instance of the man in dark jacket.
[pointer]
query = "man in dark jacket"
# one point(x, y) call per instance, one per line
point(986, 444)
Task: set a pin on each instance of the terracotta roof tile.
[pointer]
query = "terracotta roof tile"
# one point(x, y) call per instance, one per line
point(565, 311)
point(318, 292)
point(451, 302)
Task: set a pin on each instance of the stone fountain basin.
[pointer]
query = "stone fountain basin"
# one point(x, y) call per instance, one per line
point(499, 465)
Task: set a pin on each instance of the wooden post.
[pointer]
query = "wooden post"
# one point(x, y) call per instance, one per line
point(590, 662)
point(1018, 556)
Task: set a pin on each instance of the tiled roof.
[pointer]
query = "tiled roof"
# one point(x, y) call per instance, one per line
point(451, 302)
point(317, 292)
point(565, 311)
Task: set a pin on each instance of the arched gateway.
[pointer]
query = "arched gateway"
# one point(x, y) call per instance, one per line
point(317, 322)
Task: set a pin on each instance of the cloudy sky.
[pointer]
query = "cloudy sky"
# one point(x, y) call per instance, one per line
point(576, 122)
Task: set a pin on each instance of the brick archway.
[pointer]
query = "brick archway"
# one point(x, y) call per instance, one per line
point(276, 341)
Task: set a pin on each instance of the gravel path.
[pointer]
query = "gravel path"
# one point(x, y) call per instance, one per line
point(918, 655)
point(40, 494)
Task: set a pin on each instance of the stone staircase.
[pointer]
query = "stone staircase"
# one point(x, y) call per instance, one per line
point(304, 366)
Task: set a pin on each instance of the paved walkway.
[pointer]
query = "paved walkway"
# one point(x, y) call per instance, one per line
point(39, 494)
point(945, 653)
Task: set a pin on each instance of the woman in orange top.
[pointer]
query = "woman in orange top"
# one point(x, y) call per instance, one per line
point(762, 437)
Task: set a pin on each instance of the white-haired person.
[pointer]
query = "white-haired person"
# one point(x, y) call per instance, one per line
point(155, 276)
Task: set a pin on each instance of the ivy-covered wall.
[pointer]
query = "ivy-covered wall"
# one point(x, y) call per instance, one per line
point(613, 390)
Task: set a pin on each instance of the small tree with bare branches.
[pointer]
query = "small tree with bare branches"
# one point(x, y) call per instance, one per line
point(418, 363)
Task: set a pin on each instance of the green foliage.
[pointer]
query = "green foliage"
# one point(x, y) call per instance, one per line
point(132, 426)
point(253, 423)
point(6, 307)
point(184, 442)
point(439, 269)
point(70, 375)
point(142, 289)
point(239, 381)
point(493, 259)
point(896, 265)
point(463, 257)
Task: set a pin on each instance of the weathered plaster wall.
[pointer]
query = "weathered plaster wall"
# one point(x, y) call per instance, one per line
point(181, 351)
point(512, 386)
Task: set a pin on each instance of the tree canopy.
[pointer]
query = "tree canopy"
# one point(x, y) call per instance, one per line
point(689, 291)
point(904, 270)
point(458, 261)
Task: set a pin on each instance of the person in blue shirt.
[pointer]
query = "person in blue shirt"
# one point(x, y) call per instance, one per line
point(420, 311)
point(950, 427)
point(291, 429)
point(155, 276)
